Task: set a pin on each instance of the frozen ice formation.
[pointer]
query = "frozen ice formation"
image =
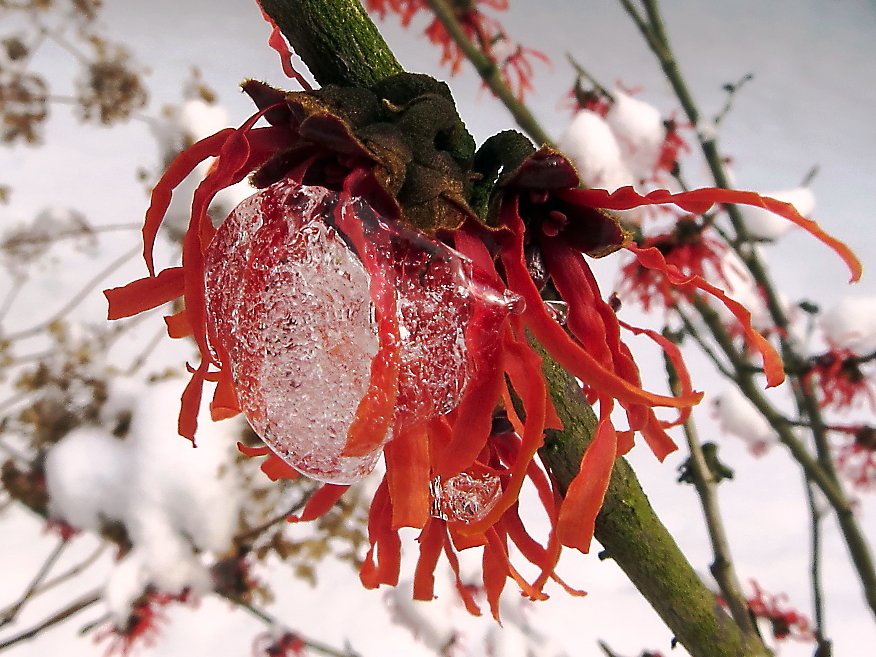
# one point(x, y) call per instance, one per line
point(465, 497)
point(290, 310)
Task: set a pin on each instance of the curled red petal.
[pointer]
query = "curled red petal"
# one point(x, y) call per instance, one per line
point(190, 403)
point(224, 403)
point(772, 363)
point(431, 541)
point(278, 43)
point(376, 409)
point(673, 353)
point(276, 468)
point(463, 590)
point(699, 201)
point(145, 293)
point(320, 502)
point(182, 165)
point(384, 541)
point(251, 452)
point(585, 494)
point(178, 325)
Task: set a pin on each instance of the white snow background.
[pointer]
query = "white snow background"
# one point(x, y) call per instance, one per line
point(811, 102)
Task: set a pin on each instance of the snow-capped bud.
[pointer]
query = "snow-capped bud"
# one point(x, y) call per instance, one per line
point(590, 144)
point(852, 324)
point(639, 130)
point(737, 416)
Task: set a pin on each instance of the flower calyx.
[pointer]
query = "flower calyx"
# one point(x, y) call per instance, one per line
point(402, 138)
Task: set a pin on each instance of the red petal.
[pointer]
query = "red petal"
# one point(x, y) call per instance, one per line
point(253, 451)
point(772, 364)
point(408, 474)
point(699, 201)
point(377, 407)
point(145, 293)
point(320, 502)
point(276, 468)
point(224, 403)
point(586, 492)
point(178, 325)
point(431, 541)
point(191, 403)
point(182, 165)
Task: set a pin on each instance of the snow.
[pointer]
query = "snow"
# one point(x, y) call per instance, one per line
point(590, 144)
point(765, 225)
point(738, 417)
point(179, 505)
point(852, 324)
point(87, 475)
point(639, 131)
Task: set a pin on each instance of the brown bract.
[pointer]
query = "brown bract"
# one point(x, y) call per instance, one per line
point(405, 132)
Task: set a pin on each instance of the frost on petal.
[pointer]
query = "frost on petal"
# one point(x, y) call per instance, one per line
point(851, 324)
point(88, 476)
point(737, 416)
point(765, 225)
point(639, 131)
point(589, 143)
point(291, 313)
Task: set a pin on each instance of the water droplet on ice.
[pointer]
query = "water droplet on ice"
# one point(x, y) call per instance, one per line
point(465, 497)
point(559, 310)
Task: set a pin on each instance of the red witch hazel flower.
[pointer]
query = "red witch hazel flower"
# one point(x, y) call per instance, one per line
point(514, 61)
point(839, 377)
point(359, 307)
point(785, 622)
point(287, 644)
point(689, 248)
point(141, 628)
point(856, 459)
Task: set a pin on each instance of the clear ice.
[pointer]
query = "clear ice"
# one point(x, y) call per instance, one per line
point(465, 497)
point(289, 311)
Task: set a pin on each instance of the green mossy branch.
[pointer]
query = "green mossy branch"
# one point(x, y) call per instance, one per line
point(336, 39)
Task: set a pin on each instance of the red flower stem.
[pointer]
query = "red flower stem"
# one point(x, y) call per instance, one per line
point(490, 73)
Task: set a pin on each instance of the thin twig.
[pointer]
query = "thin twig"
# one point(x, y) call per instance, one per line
point(81, 567)
point(273, 622)
point(582, 73)
point(72, 609)
point(490, 73)
point(77, 298)
point(705, 484)
point(815, 564)
point(10, 614)
point(732, 90)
